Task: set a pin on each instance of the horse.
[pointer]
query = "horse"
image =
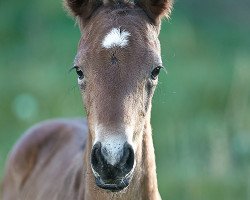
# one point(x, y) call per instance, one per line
point(110, 154)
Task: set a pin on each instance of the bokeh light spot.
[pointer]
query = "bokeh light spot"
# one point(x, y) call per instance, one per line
point(25, 107)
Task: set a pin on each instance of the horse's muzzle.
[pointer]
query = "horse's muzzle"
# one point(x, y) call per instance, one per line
point(114, 187)
point(115, 176)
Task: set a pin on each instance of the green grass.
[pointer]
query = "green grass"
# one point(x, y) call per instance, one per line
point(201, 109)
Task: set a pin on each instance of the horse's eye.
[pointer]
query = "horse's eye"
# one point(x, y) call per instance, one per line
point(155, 72)
point(79, 73)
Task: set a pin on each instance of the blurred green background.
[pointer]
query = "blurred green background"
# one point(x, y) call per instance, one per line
point(201, 109)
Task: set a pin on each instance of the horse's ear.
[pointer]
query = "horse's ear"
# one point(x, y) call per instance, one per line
point(156, 9)
point(83, 8)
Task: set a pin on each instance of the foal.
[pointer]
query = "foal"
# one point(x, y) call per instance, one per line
point(110, 155)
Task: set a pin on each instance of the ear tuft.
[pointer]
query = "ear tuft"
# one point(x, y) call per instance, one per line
point(156, 9)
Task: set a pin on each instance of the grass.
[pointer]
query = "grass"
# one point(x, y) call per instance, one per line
point(201, 109)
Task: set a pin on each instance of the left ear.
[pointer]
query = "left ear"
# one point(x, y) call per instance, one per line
point(156, 9)
point(82, 8)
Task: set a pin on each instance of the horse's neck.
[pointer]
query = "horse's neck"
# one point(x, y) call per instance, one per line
point(148, 159)
point(144, 183)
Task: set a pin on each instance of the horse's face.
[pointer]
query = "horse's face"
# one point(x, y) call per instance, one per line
point(117, 63)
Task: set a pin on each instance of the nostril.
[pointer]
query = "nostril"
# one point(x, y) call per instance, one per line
point(96, 156)
point(130, 160)
point(127, 160)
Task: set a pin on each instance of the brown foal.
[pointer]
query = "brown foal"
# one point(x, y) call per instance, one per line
point(110, 155)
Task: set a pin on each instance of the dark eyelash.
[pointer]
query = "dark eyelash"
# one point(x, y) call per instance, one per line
point(73, 68)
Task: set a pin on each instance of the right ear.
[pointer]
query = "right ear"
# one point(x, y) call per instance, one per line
point(156, 9)
point(83, 8)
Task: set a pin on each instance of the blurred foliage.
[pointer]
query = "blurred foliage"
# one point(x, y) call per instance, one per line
point(201, 109)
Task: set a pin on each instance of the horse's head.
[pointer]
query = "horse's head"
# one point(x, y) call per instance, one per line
point(117, 63)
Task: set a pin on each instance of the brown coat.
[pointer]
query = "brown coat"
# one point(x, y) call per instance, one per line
point(52, 160)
